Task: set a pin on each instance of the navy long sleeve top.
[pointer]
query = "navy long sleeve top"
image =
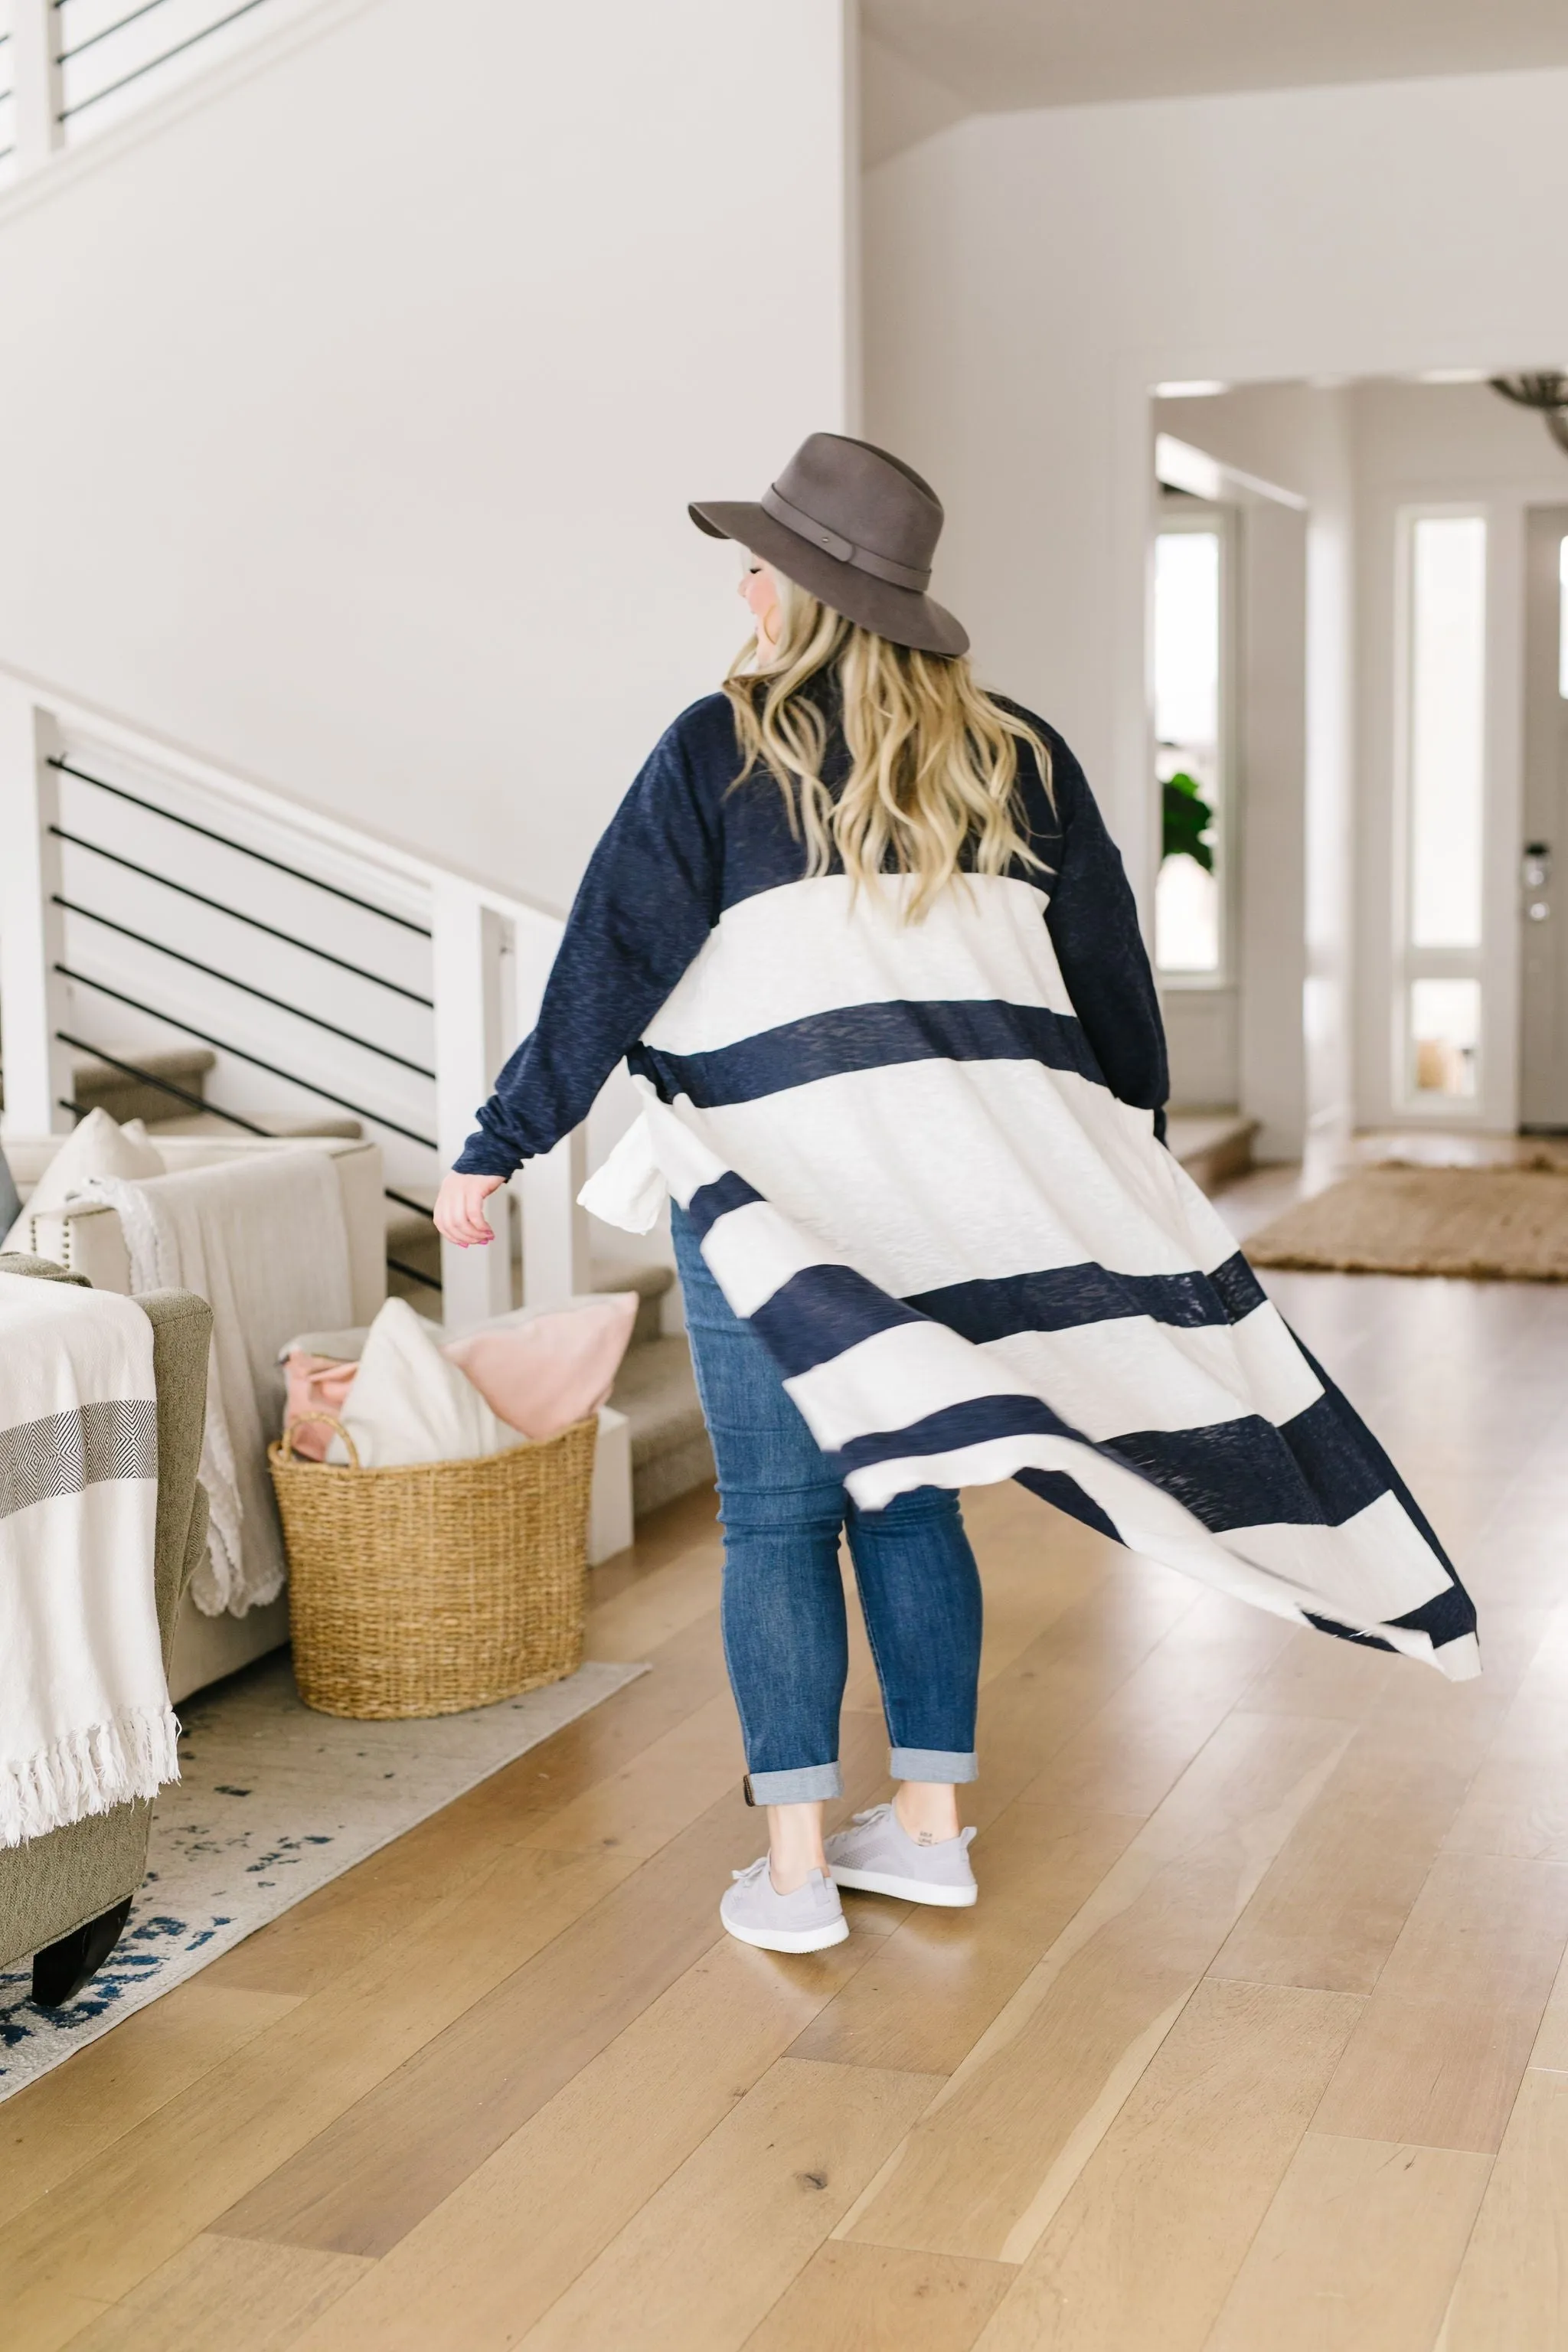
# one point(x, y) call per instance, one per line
point(684, 846)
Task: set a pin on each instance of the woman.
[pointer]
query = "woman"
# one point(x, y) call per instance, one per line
point(869, 951)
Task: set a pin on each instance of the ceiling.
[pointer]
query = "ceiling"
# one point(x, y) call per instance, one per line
point(1000, 53)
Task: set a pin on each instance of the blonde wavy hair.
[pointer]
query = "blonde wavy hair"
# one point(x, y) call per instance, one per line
point(933, 761)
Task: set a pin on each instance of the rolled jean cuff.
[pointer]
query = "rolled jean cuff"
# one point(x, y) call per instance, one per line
point(934, 1764)
point(806, 1786)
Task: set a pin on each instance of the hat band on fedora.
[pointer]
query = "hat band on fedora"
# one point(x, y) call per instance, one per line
point(834, 543)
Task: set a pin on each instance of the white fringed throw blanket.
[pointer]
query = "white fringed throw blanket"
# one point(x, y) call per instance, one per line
point(85, 1720)
point(263, 1242)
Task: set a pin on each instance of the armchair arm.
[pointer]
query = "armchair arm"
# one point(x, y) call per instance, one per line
point(86, 1239)
point(182, 1329)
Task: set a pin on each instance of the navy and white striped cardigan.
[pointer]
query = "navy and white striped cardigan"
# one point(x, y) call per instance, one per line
point(925, 1165)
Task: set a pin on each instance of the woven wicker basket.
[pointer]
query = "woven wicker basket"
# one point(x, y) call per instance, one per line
point(442, 1586)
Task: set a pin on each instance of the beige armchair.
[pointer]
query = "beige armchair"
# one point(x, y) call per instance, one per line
point(85, 1237)
point(65, 1897)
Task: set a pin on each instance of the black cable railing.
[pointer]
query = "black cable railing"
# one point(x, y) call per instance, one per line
point(227, 841)
point(236, 914)
point(154, 1078)
point(223, 1045)
point(149, 65)
point(105, 32)
point(183, 1095)
point(229, 981)
point(420, 1208)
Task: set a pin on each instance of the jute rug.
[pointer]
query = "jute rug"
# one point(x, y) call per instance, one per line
point(272, 1802)
point(1496, 1224)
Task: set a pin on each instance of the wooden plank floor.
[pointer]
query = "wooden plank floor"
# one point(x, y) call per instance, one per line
point(1256, 2040)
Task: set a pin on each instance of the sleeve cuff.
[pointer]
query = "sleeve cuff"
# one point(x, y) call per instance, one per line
point(483, 1156)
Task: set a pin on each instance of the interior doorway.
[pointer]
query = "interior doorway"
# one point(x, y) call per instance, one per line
point(1360, 945)
point(1543, 960)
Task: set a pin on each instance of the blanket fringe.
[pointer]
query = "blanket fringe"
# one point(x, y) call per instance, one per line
point(134, 1755)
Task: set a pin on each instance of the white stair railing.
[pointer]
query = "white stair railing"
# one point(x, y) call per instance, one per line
point(111, 946)
point(72, 68)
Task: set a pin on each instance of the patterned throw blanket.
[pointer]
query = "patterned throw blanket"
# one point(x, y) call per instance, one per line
point(85, 1720)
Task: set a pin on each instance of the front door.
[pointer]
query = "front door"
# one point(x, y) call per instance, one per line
point(1543, 869)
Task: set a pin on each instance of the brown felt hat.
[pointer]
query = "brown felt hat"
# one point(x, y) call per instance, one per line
point(856, 527)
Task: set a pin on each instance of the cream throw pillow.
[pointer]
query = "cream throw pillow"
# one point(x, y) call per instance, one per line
point(99, 1146)
point(409, 1403)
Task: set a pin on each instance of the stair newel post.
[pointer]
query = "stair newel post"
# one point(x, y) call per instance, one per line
point(468, 944)
point(33, 995)
point(38, 101)
point(555, 1229)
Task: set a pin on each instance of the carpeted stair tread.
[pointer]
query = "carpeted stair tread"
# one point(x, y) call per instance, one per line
point(657, 1392)
point(208, 1122)
point(95, 1085)
point(670, 1452)
point(1213, 1146)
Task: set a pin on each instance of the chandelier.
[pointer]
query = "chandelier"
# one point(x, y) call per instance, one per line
point(1546, 393)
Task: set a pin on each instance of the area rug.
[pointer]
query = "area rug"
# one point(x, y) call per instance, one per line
point(272, 1802)
point(1497, 1224)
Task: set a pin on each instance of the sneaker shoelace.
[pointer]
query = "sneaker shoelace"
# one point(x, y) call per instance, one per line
point(754, 1870)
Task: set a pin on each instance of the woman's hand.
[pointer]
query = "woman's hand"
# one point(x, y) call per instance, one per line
point(459, 1209)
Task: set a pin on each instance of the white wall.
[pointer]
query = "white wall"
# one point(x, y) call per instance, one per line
point(899, 103)
point(350, 405)
point(1030, 277)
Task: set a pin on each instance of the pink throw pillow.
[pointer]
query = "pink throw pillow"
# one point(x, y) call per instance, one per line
point(315, 1384)
point(542, 1374)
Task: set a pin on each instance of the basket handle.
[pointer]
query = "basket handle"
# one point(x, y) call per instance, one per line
point(285, 1451)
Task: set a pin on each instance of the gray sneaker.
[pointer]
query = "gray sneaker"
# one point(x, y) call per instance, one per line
point(879, 1856)
point(806, 1921)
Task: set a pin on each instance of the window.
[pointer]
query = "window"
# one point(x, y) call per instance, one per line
point(1444, 807)
point(1447, 708)
point(1189, 714)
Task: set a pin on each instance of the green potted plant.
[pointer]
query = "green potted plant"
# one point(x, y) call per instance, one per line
point(1186, 820)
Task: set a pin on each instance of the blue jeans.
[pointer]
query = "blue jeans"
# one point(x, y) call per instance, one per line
point(786, 1634)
